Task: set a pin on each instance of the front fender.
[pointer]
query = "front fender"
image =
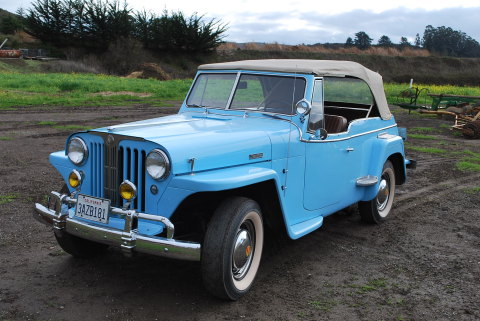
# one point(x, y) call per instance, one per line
point(224, 179)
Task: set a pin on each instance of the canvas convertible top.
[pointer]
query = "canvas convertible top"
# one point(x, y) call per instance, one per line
point(333, 68)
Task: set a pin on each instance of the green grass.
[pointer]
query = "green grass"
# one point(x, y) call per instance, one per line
point(470, 161)
point(473, 190)
point(5, 199)
point(429, 150)
point(468, 166)
point(421, 136)
point(5, 138)
point(55, 125)
point(72, 127)
point(370, 286)
point(47, 123)
point(37, 89)
point(324, 305)
point(422, 130)
point(72, 89)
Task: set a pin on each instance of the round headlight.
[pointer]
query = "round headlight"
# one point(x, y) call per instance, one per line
point(158, 165)
point(77, 151)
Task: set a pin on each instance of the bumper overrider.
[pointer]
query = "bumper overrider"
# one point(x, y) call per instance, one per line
point(128, 239)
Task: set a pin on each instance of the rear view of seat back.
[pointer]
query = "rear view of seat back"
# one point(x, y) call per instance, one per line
point(335, 124)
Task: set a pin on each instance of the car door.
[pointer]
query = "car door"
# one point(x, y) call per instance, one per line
point(332, 164)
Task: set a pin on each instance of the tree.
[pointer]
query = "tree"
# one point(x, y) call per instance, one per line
point(349, 42)
point(446, 41)
point(362, 40)
point(176, 32)
point(97, 24)
point(404, 43)
point(418, 42)
point(9, 24)
point(384, 41)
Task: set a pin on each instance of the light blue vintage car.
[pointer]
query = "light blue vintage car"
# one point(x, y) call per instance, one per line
point(256, 145)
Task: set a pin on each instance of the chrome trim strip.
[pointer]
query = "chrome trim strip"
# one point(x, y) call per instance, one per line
point(349, 137)
point(128, 239)
point(111, 128)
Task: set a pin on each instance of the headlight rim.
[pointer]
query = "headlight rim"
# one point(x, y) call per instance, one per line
point(85, 149)
point(166, 160)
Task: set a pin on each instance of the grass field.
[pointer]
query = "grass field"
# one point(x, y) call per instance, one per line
point(36, 89)
point(54, 89)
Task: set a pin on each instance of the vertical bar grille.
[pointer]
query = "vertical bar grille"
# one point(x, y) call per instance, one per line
point(96, 183)
point(113, 160)
point(111, 174)
point(132, 167)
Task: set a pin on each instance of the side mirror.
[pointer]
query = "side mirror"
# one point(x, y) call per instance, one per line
point(321, 134)
point(303, 107)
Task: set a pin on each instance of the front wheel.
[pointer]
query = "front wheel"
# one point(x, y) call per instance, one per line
point(232, 248)
point(377, 210)
point(76, 246)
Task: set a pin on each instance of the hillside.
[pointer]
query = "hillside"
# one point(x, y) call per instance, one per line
point(428, 70)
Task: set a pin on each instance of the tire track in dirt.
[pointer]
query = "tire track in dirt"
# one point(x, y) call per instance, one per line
point(429, 193)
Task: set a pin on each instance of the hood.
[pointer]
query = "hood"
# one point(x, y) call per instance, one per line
point(213, 141)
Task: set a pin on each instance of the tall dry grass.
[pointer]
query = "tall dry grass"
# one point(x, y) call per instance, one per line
point(376, 51)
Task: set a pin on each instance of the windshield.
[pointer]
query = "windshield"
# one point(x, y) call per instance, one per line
point(265, 93)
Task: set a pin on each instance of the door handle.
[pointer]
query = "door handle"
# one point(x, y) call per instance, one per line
point(350, 149)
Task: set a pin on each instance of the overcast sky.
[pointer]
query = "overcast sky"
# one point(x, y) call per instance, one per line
point(307, 21)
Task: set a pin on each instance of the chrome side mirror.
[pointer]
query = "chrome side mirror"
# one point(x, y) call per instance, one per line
point(303, 108)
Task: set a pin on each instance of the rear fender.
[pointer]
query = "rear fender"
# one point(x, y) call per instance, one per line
point(389, 147)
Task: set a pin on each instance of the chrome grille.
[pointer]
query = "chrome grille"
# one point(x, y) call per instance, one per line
point(112, 163)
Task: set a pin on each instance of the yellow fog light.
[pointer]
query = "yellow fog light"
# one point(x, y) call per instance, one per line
point(75, 179)
point(127, 190)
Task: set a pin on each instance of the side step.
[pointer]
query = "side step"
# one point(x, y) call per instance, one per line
point(368, 180)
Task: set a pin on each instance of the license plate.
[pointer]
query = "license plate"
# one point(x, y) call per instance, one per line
point(92, 208)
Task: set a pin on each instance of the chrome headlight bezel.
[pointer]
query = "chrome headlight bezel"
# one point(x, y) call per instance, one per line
point(79, 143)
point(157, 157)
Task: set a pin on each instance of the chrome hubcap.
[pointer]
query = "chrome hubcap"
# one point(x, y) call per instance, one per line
point(383, 194)
point(243, 250)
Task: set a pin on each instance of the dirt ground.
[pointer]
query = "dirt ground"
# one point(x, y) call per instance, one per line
point(422, 264)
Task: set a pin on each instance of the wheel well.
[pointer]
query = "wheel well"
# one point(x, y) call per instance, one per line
point(399, 167)
point(192, 216)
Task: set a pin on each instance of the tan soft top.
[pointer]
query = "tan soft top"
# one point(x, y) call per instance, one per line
point(335, 68)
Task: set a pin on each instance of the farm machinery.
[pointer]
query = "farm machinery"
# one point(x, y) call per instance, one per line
point(464, 109)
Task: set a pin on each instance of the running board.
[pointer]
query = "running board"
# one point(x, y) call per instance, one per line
point(368, 180)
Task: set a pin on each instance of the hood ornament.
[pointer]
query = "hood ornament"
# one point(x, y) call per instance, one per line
point(110, 140)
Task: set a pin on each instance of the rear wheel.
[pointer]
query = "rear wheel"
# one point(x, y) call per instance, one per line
point(377, 210)
point(232, 248)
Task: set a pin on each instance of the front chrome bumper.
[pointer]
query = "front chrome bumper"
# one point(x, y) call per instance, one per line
point(128, 239)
